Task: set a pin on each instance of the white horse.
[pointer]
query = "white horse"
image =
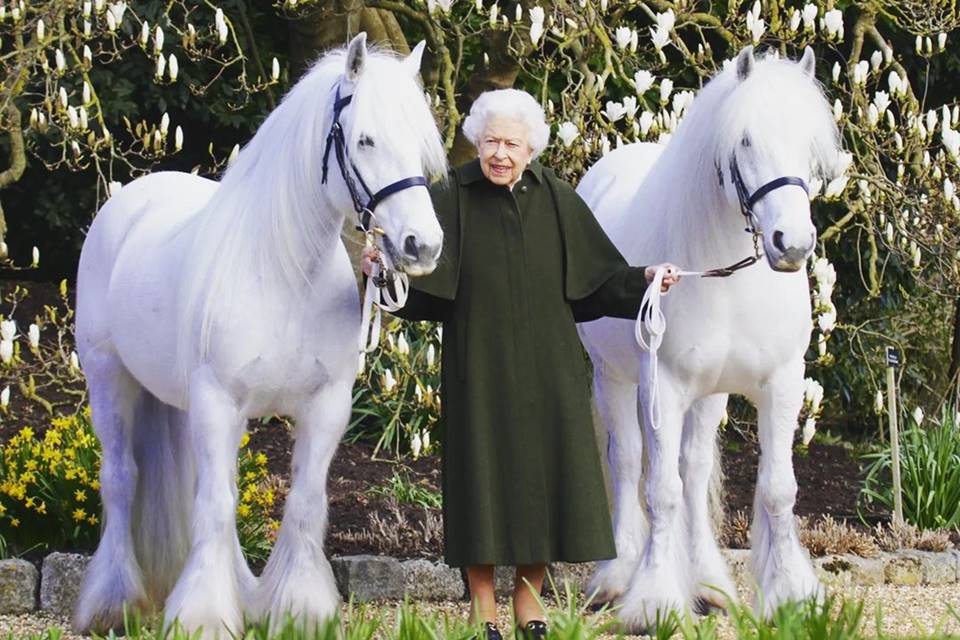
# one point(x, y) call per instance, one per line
point(753, 123)
point(201, 305)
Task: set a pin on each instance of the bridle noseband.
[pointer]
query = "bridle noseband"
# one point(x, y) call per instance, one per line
point(335, 139)
point(747, 202)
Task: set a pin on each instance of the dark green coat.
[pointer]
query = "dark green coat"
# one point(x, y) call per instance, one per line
point(522, 476)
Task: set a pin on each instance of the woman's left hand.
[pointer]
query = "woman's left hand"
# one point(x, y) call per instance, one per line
point(670, 277)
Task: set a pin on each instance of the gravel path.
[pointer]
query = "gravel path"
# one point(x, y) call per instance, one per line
point(907, 611)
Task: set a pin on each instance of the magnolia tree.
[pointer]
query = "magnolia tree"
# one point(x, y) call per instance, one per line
point(54, 55)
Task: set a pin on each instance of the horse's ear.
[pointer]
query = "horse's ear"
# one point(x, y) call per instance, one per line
point(412, 62)
point(808, 63)
point(356, 56)
point(745, 63)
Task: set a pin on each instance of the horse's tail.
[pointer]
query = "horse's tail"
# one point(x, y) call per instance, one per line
point(162, 508)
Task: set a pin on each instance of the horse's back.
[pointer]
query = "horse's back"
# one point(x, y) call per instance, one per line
point(610, 188)
point(611, 184)
point(154, 205)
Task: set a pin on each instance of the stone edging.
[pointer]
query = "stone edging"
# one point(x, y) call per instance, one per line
point(54, 588)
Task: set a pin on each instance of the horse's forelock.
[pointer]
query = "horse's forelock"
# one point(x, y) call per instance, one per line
point(780, 108)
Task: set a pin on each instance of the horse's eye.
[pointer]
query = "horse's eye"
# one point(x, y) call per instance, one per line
point(745, 142)
point(365, 141)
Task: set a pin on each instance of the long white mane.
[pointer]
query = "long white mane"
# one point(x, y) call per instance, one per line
point(271, 210)
point(783, 113)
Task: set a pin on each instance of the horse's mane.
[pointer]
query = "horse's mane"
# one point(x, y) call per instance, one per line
point(783, 112)
point(271, 209)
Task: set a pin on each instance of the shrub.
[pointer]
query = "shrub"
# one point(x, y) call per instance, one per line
point(397, 397)
point(929, 471)
point(50, 491)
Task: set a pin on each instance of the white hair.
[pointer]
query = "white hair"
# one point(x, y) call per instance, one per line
point(508, 103)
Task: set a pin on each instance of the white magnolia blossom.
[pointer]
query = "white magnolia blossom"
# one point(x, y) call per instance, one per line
point(275, 70)
point(403, 347)
point(682, 100)
point(809, 430)
point(87, 55)
point(8, 329)
point(6, 351)
point(837, 110)
point(41, 30)
point(878, 402)
point(5, 398)
point(613, 111)
point(942, 41)
point(85, 95)
point(666, 20)
point(897, 86)
point(666, 87)
point(173, 68)
point(35, 255)
point(860, 72)
point(876, 59)
point(144, 33)
point(809, 16)
point(388, 381)
point(873, 115)
point(220, 22)
point(568, 132)
point(949, 190)
point(630, 106)
point(60, 61)
point(158, 40)
point(815, 185)
point(643, 80)
point(623, 35)
point(812, 395)
point(951, 142)
point(426, 434)
point(833, 21)
point(827, 320)
point(918, 416)
point(536, 24)
point(416, 444)
point(161, 67)
point(431, 354)
point(645, 121)
point(660, 38)
point(33, 335)
point(178, 138)
point(882, 100)
point(116, 11)
point(755, 24)
point(795, 20)
point(494, 14)
point(835, 71)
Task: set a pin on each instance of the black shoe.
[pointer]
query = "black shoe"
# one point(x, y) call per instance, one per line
point(535, 630)
point(492, 633)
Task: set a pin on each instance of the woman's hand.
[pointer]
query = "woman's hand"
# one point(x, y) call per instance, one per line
point(368, 258)
point(670, 278)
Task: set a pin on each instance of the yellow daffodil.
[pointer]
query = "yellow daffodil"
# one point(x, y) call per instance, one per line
point(80, 495)
point(79, 514)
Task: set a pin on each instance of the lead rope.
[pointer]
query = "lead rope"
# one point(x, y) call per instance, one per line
point(652, 321)
point(376, 297)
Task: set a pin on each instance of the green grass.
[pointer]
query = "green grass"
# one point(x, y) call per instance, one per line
point(569, 618)
point(405, 490)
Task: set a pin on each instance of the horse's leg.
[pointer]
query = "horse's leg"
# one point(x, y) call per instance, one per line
point(617, 404)
point(298, 579)
point(207, 594)
point(113, 579)
point(659, 585)
point(781, 566)
point(710, 579)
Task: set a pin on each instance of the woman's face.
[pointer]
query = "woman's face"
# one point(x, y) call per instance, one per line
point(504, 150)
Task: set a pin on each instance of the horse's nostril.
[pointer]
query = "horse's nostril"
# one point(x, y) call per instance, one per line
point(778, 241)
point(411, 248)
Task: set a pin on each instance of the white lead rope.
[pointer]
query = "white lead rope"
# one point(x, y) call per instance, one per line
point(652, 321)
point(375, 299)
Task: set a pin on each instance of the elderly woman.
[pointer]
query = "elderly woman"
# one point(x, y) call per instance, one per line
point(523, 261)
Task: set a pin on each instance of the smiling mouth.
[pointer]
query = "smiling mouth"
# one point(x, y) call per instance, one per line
point(499, 169)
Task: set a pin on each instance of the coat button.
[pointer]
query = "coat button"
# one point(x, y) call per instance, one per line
point(523, 188)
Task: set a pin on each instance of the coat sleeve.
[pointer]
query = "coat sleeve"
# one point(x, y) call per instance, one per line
point(597, 280)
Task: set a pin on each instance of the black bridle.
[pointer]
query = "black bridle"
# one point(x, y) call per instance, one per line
point(336, 140)
point(747, 202)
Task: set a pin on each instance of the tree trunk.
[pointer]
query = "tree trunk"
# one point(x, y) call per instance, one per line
point(331, 24)
point(955, 346)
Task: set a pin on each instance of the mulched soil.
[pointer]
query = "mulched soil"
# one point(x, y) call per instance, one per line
point(364, 520)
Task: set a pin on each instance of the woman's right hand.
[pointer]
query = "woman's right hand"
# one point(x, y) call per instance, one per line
point(368, 258)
